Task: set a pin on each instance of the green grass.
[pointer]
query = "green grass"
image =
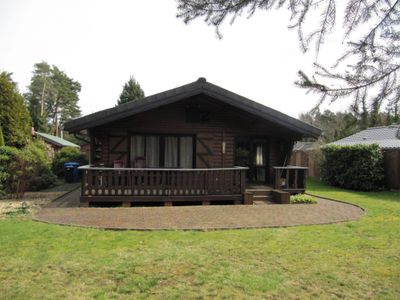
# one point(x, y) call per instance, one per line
point(358, 259)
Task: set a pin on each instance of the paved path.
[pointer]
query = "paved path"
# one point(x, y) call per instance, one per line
point(70, 199)
point(199, 217)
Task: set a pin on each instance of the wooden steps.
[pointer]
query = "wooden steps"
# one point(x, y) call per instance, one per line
point(266, 195)
point(261, 195)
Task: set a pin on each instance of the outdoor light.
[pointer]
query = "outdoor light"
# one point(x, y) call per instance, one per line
point(223, 147)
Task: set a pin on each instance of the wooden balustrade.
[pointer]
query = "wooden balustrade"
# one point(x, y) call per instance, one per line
point(290, 178)
point(160, 185)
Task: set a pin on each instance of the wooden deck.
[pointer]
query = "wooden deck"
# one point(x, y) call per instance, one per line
point(134, 185)
point(161, 186)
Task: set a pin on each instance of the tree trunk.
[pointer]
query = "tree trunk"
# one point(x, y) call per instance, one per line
point(42, 99)
point(55, 119)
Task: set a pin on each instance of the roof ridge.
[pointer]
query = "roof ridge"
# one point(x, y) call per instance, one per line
point(201, 86)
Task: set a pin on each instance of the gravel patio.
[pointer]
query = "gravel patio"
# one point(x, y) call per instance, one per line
point(64, 211)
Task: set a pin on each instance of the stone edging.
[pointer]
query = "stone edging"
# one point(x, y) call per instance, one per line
point(340, 201)
point(362, 213)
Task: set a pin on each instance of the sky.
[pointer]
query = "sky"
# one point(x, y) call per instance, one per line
point(102, 43)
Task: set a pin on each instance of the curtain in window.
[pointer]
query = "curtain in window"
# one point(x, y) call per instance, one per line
point(171, 152)
point(137, 148)
point(152, 151)
point(186, 152)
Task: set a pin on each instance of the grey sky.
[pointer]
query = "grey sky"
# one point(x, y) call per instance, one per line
point(102, 43)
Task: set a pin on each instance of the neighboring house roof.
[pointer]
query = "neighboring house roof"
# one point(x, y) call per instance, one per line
point(305, 146)
point(201, 86)
point(387, 137)
point(55, 140)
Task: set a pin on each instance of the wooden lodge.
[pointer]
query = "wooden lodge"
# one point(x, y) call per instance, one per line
point(197, 143)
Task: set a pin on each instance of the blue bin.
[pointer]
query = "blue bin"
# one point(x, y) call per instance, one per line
point(71, 172)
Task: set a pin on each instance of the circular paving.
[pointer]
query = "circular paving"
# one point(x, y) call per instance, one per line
point(202, 217)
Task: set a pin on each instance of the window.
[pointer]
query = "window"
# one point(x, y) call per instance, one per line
point(186, 152)
point(137, 150)
point(168, 151)
point(171, 152)
point(152, 157)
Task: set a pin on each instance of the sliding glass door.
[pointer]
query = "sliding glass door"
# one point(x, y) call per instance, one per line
point(157, 151)
point(252, 153)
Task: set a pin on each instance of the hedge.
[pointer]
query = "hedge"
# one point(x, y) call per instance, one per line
point(357, 167)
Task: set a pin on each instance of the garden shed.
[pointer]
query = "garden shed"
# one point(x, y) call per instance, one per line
point(54, 143)
point(307, 154)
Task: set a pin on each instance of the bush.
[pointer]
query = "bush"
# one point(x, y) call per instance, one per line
point(67, 154)
point(8, 157)
point(302, 199)
point(25, 169)
point(45, 180)
point(42, 176)
point(358, 167)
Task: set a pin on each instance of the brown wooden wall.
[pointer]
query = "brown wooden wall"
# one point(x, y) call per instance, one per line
point(392, 168)
point(310, 159)
point(224, 124)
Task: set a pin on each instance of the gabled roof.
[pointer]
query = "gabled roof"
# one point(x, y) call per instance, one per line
point(201, 86)
point(387, 137)
point(55, 140)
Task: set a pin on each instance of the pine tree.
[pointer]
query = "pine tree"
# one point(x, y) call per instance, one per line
point(64, 106)
point(39, 92)
point(368, 68)
point(131, 91)
point(52, 98)
point(14, 116)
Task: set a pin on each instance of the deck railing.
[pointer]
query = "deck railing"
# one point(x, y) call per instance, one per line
point(142, 183)
point(290, 178)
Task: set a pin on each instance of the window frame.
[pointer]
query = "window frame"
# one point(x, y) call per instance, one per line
point(162, 146)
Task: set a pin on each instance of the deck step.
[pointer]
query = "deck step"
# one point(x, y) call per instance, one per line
point(262, 197)
point(259, 192)
point(260, 202)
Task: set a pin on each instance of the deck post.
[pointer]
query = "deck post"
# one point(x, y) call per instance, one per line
point(242, 181)
point(248, 198)
point(84, 204)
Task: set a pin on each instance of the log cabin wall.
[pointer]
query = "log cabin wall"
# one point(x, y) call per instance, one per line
point(220, 122)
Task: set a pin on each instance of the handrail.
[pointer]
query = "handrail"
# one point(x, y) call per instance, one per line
point(89, 167)
point(290, 168)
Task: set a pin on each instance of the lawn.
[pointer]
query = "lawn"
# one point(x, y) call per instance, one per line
point(348, 260)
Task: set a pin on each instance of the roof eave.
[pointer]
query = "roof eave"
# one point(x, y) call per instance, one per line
point(186, 91)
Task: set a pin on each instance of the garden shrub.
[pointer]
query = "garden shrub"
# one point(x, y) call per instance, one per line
point(357, 167)
point(302, 199)
point(24, 169)
point(42, 176)
point(8, 157)
point(67, 154)
point(1, 137)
